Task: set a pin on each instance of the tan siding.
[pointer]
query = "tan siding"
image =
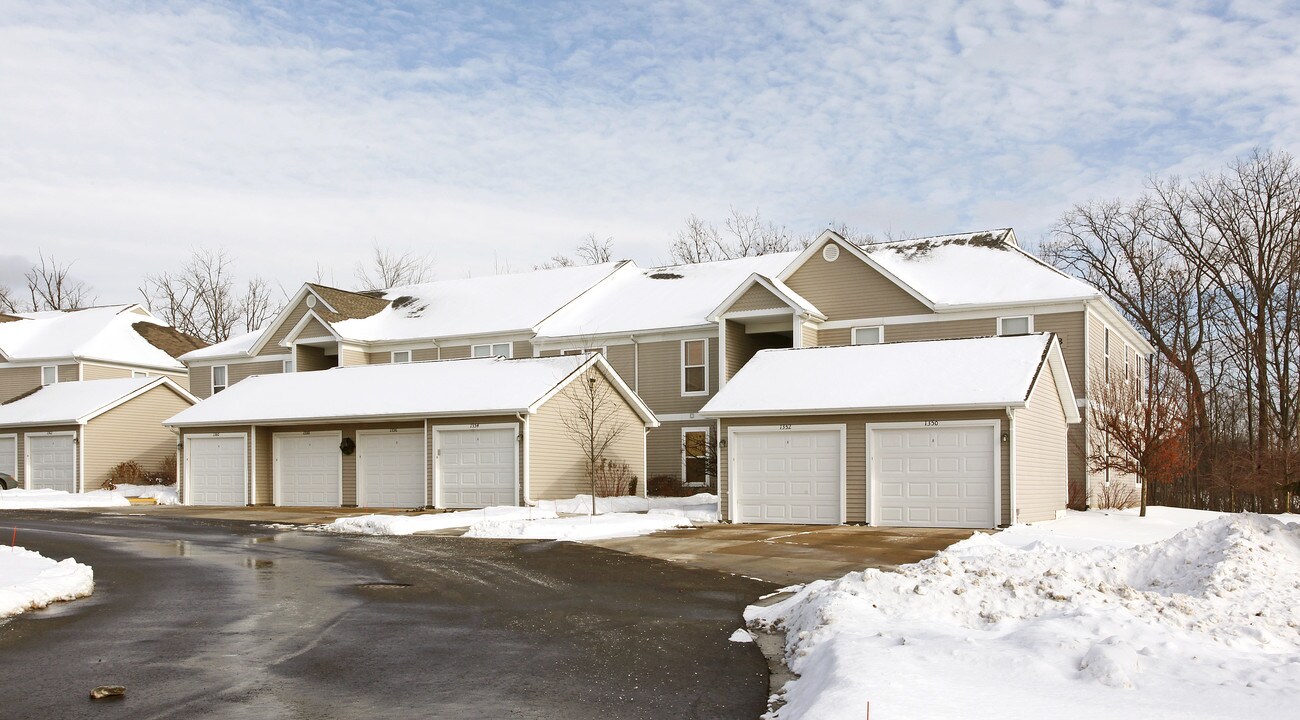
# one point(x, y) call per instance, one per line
point(1069, 329)
point(293, 315)
point(835, 337)
point(623, 359)
point(848, 288)
point(261, 465)
point(809, 336)
point(946, 330)
point(132, 431)
point(102, 372)
point(431, 459)
point(201, 382)
point(660, 383)
point(558, 469)
point(70, 373)
point(521, 349)
point(384, 357)
point(20, 431)
point(454, 353)
point(15, 381)
point(756, 297)
point(855, 454)
point(664, 446)
point(549, 353)
point(313, 329)
point(1042, 463)
point(426, 354)
point(243, 371)
point(349, 357)
point(310, 359)
point(740, 347)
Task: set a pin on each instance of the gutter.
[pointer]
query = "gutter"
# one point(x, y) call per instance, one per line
point(856, 411)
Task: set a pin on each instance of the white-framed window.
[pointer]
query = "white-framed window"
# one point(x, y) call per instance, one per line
point(491, 350)
point(288, 365)
point(139, 374)
point(583, 351)
point(873, 335)
point(695, 367)
point(400, 356)
point(49, 374)
point(219, 378)
point(1016, 325)
point(695, 456)
point(1105, 353)
point(1128, 373)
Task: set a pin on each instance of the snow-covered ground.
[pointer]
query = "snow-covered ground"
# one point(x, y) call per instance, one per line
point(48, 499)
point(29, 580)
point(161, 494)
point(701, 507)
point(578, 528)
point(411, 524)
point(1067, 619)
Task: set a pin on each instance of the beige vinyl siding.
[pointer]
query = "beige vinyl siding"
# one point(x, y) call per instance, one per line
point(521, 349)
point(272, 346)
point(310, 359)
point(1069, 330)
point(349, 357)
point(756, 297)
point(243, 371)
point(455, 352)
point(426, 354)
point(132, 431)
point(209, 432)
point(431, 457)
point(945, 330)
point(15, 381)
point(834, 337)
point(201, 381)
point(740, 347)
point(181, 379)
point(313, 329)
point(808, 335)
point(660, 381)
point(848, 288)
point(384, 357)
point(856, 452)
point(261, 465)
point(21, 431)
point(1042, 458)
point(69, 373)
point(103, 372)
point(663, 446)
point(558, 465)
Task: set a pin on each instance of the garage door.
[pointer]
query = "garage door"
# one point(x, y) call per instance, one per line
point(307, 469)
point(788, 476)
point(933, 477)
point(217, 471)
point(9, 456)
point(53, 461)
point(391, 469)
point(476, 468)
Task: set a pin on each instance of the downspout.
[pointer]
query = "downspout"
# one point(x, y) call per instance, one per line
point(528, 496)
point(81, 454)
point(636, 365)
point(1011, 463)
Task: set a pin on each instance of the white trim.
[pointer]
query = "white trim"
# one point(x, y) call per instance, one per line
point(624, 337)
point(793, 301)
point(1029, 321)
point(853, 334)
point(13, 436)
point(358, 454)
point(187, 495)
point(428, 479)
point(288, 366)
point(212, 379)
point(292, 337)
point(570, 352)
point(796, 333)
point(988, 314)
point(252, 466)
point(680, 417)
point(1011, 464)
point(437, 453)
point(525, 436)
point(275, 461)
point(79, 447)
point(734, 430)
point(995, 426)
point(683, 366)
point(708, 438)
point(27, 455)
point(859, 411)
point(236, 360)
point(722, 354)
point(748, 314)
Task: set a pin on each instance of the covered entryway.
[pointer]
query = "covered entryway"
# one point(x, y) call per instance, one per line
point(217, 470)
point(52, 462)
point(308, 469)
point(390, 469)
point(934, 476)
point(788, 475)
point(477, 467)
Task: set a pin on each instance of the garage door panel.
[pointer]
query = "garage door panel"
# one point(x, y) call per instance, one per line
point(308, 472)
point(788, 476)
point(477, 467)
point(391, 469)
point(218, 471)
point(939, 477)
point(52, 462)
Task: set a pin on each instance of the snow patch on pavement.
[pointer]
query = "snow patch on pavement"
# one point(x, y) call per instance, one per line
point(48, 499)
point(578, 529)
point(1199, 625)
point(410, 524)
point(29, 580)
point(741, 636)
point(701, 507)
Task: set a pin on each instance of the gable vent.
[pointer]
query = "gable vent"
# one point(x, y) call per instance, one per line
point(831, 252)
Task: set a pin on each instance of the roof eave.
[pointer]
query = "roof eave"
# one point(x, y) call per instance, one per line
point(994, 406)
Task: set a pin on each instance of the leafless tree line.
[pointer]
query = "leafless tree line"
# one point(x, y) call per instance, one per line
point(49, 286)
point(1209, 269)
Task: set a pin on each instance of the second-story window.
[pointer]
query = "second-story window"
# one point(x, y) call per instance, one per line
point(401, 356)
point(288, 365)
point(49, 374)
point(695, 367)
point(1105, 353)
point(491, 350)
point(218, 378)
point(869, 335)
point(1020, 325)
point(139, 374)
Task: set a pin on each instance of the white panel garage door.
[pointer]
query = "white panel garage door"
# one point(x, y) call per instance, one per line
point(476, 468)
point(390, 469)
point(788, 476)
point(307, 469)
point(52, 460)
point(217, 471)
point(9, 456)
point(933, 477)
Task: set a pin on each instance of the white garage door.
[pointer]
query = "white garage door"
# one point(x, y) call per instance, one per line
point(307, 469)
point(217, 471)
point(476, 468)
point(391, 469)
point(933, 477)
point(9, 456)
point(788, 476)
point(52, 460)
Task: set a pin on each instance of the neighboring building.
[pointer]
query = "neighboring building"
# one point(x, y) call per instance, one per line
point(70, 435)
point(465, 433)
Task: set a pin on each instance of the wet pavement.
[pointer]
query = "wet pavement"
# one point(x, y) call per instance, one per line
point(232, 620)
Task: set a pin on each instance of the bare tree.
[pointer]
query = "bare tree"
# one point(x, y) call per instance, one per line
point(591, 251)
point(388, 268)
point(741, 235)
point(50, 287)
point(201, 298)
point(8, 300)
point(593, 421)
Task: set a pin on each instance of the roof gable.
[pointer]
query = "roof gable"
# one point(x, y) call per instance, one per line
point(759, 293)
point(82, 401)
point(852, 285)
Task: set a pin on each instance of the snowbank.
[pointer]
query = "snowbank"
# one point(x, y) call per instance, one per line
point(410, 524)
point(161, 494)
point(578, 529)
point(46, 499)
point(1117, 528)
point(1200, 625)
point(29, 580)
point(702, 507)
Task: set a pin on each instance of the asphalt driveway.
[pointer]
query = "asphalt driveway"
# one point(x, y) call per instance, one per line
point(231, 620)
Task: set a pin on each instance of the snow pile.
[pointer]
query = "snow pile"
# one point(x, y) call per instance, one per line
point(411, 524)
point(47, 499)
point(702, 507)
point(578, 529)
point(1117, 528)
point(29, 580)
point(161, 494)
point(1202, 624)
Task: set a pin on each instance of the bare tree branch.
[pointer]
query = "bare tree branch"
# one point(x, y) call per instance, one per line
point(51, 288)
point(388, 268)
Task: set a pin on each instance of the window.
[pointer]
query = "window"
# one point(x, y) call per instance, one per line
point(139, 374)
point(583, 351)
point(1128, 375)
point(1105, 353)
point(695, 367)
point(869, 335)
point(401, 356)
point(49, 374)
point(695, 456)
point(491, 350)
point(218, 378)
point(288, 365)
point(1019, 325)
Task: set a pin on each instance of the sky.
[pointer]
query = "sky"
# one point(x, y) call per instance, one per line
point(296, 135)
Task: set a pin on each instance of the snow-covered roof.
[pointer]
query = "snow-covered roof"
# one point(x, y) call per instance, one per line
point(475, 386)
point(936, 374)
point(75, 402)
point(640, 300)
point(237, 345)
point(474, 306)
point(773, 285)
point(99, 333)
point(975, 269)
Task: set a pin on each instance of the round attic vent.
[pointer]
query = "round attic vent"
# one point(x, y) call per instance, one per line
point(831, 252)
point(311, 301)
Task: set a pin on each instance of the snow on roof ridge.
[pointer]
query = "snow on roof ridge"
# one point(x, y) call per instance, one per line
point(613, 265)
point(1006, 233)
